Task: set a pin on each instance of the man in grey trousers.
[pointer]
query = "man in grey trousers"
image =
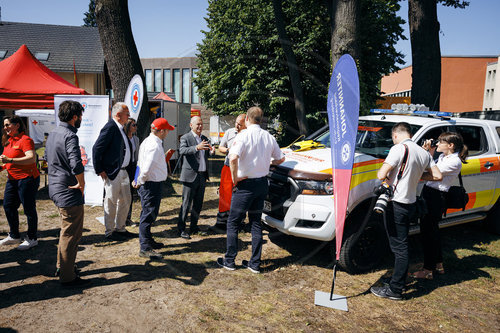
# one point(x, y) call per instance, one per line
point(194, 150)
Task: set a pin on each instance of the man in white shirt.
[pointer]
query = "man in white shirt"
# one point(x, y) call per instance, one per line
point(151, 172)
point(250, 156)
point(401, 208)
point(226, 183)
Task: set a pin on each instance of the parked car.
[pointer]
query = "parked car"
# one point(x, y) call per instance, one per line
point(300, 199)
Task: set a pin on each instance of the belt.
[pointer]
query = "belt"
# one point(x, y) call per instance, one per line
point(124, 168)
point(254, 179)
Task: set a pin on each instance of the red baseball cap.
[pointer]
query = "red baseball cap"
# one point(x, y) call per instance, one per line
point(161, 124)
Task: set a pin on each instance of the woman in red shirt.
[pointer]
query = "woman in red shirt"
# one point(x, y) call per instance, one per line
point(19, 160)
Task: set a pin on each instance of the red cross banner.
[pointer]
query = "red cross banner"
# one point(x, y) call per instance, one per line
point(134, 96)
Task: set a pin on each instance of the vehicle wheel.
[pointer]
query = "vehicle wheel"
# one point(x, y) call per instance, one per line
point(493, 219)
point(365, 253)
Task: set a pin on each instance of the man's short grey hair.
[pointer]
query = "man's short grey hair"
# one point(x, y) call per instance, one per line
point(117, 108)
point(194, 118)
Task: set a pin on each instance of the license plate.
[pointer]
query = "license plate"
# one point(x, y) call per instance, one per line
point(267, 206)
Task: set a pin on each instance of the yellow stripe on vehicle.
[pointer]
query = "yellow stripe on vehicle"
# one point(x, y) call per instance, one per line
point(484, 198)
point(473, 166)
point(360, 178)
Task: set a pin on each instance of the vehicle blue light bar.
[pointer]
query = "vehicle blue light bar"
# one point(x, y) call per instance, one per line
point(412, 113)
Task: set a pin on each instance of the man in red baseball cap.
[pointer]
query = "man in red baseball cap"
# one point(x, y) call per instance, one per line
point(151, 172)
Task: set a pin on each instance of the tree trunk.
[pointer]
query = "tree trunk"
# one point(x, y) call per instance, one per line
point(344, 18)
point(425, 53)
point(120, 53)
point(293, 70)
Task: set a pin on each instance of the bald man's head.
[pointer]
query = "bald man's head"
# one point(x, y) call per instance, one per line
point(196, 125)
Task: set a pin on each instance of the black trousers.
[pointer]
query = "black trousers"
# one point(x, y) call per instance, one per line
point(397, 224)
point(192, 199)
point(248, 196)
point(17, 192)
point(150, 193)
point(429, 227)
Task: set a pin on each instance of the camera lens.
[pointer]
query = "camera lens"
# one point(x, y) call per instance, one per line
point(381, 203)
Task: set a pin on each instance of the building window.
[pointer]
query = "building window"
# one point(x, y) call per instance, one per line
point(3, 54)
point(176, 83)
point(167, 82)
point(42, 56)
point(195, 99)
point(185, 85)
point(157, 80)
point(149, 79)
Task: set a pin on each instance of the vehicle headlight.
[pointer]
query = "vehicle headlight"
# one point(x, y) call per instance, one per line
point(313, 187)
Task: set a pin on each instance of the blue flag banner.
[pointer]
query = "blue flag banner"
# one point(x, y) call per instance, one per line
point(343, 116)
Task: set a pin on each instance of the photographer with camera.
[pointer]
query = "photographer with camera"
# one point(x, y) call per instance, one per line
point(400, 173)
point(453, 154)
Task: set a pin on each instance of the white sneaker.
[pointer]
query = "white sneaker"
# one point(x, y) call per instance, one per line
point(9, 240)
point(27, 244)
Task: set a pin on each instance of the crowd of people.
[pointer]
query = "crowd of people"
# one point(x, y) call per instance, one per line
point(126, 166)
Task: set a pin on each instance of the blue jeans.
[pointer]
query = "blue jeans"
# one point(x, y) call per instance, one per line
point(397, 225)
point(23, 191)
point(248, 196)
point(150, 193)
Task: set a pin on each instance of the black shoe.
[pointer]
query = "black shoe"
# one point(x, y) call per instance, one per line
point(222, 263)
point(126, 234)
point(76, 282)
point(254, 270)
point(58, 271)
point(217, 229)
point(115, 236)
point(156, 246)
point(150, 254)
point(386, 292)
point(184, 235)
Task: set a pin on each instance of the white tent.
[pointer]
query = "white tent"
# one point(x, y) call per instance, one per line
point(40, 122)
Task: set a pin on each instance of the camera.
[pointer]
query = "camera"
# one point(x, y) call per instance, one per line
point(384, 193)
point(434, 143)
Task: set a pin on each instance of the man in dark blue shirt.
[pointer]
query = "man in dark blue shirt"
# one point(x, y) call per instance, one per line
point(66, 187)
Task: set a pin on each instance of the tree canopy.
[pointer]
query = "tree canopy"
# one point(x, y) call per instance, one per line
point(242, 62)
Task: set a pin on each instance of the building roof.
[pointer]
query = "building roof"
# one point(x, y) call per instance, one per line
point(64, 44)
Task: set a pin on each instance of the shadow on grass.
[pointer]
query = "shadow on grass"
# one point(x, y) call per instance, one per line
point(41, 261)
point(467, 237)
point(190, 274)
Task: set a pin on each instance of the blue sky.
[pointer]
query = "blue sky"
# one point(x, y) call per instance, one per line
point(171, 28)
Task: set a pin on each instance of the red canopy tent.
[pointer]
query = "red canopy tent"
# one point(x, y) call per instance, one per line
point(27, 83)
point(163, 96)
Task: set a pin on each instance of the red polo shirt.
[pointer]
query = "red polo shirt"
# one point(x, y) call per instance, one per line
point(17, 147)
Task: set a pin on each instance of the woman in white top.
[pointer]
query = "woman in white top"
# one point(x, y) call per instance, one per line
point(130, 129)
point(454, 153)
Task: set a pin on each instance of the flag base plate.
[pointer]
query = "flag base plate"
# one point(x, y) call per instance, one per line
point(337, 302)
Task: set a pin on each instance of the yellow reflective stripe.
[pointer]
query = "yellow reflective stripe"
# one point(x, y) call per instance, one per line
point(483, 198)
point(363, 177)
point(365, 168)
point(473, 166)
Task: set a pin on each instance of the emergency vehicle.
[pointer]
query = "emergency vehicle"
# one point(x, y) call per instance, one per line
point(300, 199)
